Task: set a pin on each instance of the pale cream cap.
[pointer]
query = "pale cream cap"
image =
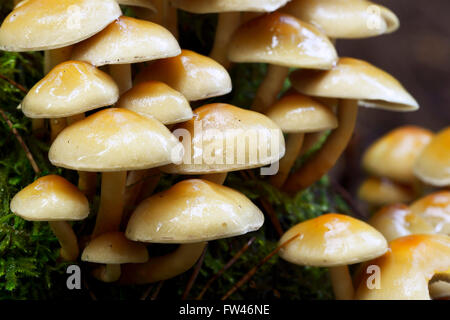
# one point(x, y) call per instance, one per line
point(434, 208)
point(213, 6)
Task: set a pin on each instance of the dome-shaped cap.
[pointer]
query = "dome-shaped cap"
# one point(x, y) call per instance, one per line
point(114, 140)
point(396, 220)
point(355, 79)
point(394, 154)
point(283, 40)
point(223, 138)
point(48, 24)
point(213, 6)
point(50, 198)
point(296, 113)
point(332, 240)
point(71, 88)
point(197, 77)
point(127, 40)
point(406, 268)
point(347, 19)
point(114, 248)
point(434, 208)
point(381, 191)
point(193, 211)
point(157, 100)
point(433, 164)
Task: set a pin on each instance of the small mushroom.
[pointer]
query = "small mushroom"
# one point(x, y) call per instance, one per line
point(333, 241)
point(378, 192)
point(434, 208)
point(54, 199)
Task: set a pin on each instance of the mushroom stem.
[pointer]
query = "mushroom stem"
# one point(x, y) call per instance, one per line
point(226, 25)
point(56, 126)
point(326, 157)
point(111, 202)
point(171, 18)
point(342, 283)
point(87, 183)
point(121, 73)
point(107, 272)
point(218, 178)
point(310, 141)
point(67, 239)
point(270, 87)
point(164, 267)
point(293, 147)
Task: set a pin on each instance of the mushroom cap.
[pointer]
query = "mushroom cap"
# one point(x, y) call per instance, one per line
point(394, 154)
point(196, 76)
point(382, 191)
point(141, 4)
point(193, 211)
point(406, 268)
point(114, 248)
point(114, 140)
point(396, 220)
point(72, 87)
point(434, 208)
point(440, 290)
point(355, 79)
point(214, 6)
point(49, 24)
point(127, 40)
point(297, 113)
point(433, 164)
point(347, 19)
point(157, 100)
point(50, 198)
point(332, 240)
point(283, 40)
point(223, 138)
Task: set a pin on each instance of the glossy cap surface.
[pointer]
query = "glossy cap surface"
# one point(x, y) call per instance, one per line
point(381, 191)
point(434, 208)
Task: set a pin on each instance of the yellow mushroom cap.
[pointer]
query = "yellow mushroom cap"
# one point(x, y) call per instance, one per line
point(72, 87)
point(213, 6)
point(157, 100)
point(434, 208)
point(296, 113)
point(433, 164)
point(396, 220)
point(197, 77)
point(223, 138)
point(381, 191)
point(50, 198)
point(406, 268)
point(114, 140)
point(193, 211)
point(332, 240)
point(282, 39)
point(127, 40)
point(347, 19)
point(48, 24)
point(114, 248)
point(355, 79)
point(394, 154)
point(139, 4)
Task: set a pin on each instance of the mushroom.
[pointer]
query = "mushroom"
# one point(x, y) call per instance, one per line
point(351, 80)
point(433, 164)
point(397, 220)
point(296, 115)
point(144, 9)
point(54, 199)
point(434, 208)
point(113, 249)
point(282, 41)
point(113, 141)
point(125, 41)
point(381, 191)
point(406, 268)
point(333, 241)
point(228, 20)
point(197, 77)
point(439, 290)
point(190, 213)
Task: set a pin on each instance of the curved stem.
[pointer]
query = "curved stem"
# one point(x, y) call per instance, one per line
point(342, 283)
point(56, 126)
point(164, 267)
point(310, 141)
point(121, 73)
point(111, 202)
point(107, 272)
point(293, 147)
point(218, 178)
point(226, 25)
point(67, 239)
point(270, 87)
point(320, 163)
